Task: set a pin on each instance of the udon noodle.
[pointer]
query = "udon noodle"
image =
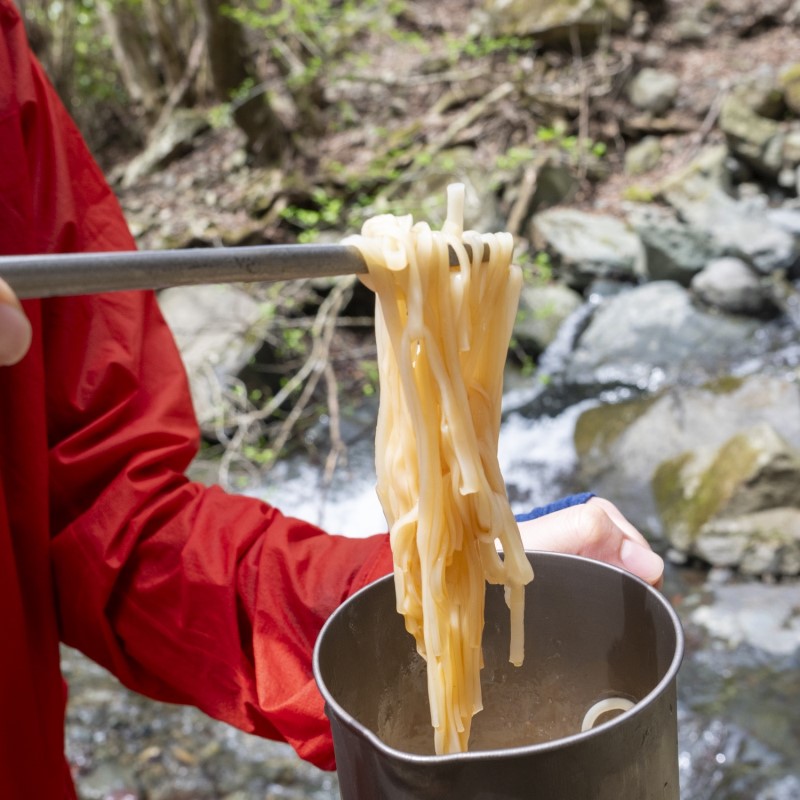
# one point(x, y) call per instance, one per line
point(442, 337)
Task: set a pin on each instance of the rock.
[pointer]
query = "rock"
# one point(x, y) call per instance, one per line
point(653, 90)
point(790, 83)
point(218, 330)
point(542, 310)
point(708, 501)
point(674, 251)
point(620, 446)
point(588, 246)
point(643, 156)
point(787, 219)
point(735, 227)
point(652, 335)
point(730, 285)
point(762, 543)
point(752, 137)
point(174, 140)
point(550, 21)
point(761, 93)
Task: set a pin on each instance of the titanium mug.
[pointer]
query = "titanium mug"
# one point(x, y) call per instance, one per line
point(592, 632)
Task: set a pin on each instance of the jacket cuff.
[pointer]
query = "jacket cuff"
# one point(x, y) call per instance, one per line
point(564, 502)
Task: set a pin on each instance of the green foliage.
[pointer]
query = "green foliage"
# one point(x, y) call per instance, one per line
point(557, 135)
point(310, 35)
point(325, 212)
point(481, 45)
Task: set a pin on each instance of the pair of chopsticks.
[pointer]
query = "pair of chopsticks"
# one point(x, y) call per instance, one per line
point(87, 273)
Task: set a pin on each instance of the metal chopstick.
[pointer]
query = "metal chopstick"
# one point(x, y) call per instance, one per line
point(86, 273)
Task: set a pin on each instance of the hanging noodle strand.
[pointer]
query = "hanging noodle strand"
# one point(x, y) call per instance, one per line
point(442, 335)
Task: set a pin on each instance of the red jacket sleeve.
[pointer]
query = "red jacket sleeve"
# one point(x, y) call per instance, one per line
point(186, 593)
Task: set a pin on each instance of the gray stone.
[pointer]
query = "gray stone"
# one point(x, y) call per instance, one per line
point(749, 134)
point(760, 543)
point(542, 310)
point(620, 445)
point(674, 251)
point(730, 285)
point(218, 330)
point(651, 335)
point(788, 219)
point(643, 156)
point(735, 227)
point(588, 246)
point(790, 83)
point(551, 20)
point(755, 470)
point(653, 90)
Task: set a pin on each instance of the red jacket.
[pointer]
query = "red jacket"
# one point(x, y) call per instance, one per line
point(185, 593)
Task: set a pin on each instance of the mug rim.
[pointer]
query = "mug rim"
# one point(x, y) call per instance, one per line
point(354, 725)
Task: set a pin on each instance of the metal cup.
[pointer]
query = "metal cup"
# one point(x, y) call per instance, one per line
point(592, 631)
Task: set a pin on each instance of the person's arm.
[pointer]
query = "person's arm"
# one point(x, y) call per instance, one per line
point(186, 593)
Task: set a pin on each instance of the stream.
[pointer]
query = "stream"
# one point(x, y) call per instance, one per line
point(739, 685)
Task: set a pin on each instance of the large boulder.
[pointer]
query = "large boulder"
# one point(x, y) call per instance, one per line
point(585, 246)
point(620, 446)
point(653, 335)
point(735, 505)
point(218, 330)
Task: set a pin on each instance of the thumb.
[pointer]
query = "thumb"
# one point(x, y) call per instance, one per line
point(589, 530)
point(15, 329)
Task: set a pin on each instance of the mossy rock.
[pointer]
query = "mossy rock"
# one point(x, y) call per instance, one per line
point(598, 428)
point(790, 82)
point(752, 471)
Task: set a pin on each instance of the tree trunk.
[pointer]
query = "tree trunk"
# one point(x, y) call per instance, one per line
point(132, 50)
point(232, 68)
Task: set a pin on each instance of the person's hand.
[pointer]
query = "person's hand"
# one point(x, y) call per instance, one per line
point(595, 529)
point(15, 329)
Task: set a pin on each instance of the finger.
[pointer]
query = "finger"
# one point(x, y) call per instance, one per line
point(587, 530)
point(619, 519)
point(15, 329)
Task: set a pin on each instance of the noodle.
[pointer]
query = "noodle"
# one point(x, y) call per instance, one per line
point(442, 336)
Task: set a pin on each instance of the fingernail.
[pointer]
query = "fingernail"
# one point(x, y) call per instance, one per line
point(641, 561)
point(15, 334)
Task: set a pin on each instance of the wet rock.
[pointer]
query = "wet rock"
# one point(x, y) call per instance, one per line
point(653, 90)
point(589, 246)
point(731, 286)
point(650, 335)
